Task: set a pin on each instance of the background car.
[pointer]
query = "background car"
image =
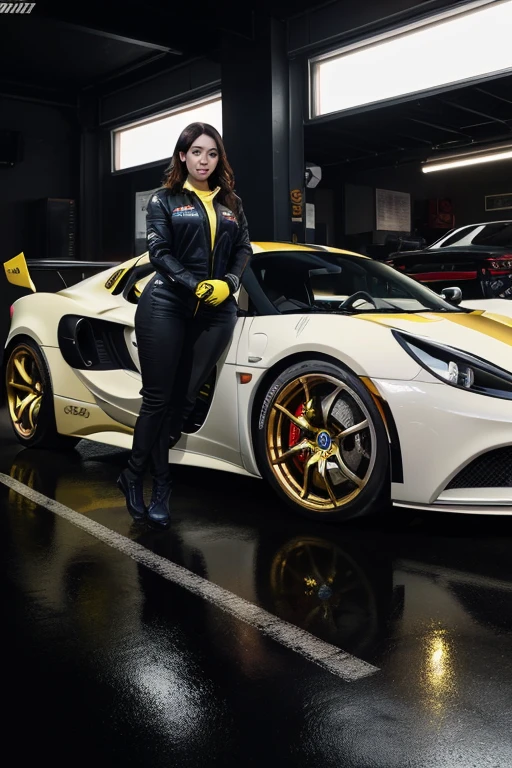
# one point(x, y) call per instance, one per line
point(476, 258)
point(346, 383)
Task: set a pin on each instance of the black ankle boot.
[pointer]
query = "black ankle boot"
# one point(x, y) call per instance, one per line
point(158, 510)
point(132, 487)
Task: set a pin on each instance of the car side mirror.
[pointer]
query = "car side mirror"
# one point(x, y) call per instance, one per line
point(453, 295)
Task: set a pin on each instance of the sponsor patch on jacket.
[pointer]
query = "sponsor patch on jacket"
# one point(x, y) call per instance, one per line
point(185, 210)
point(229, 215)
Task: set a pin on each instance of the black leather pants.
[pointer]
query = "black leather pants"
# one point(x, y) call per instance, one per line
point(178, 348)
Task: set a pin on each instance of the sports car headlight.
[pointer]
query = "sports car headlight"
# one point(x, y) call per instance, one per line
point(457, 368)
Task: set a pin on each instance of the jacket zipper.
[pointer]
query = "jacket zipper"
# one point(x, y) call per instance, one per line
point(217, 224)
point(209, 240)
point(207, 220)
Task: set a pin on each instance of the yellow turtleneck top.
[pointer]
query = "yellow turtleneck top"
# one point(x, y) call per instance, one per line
point(206, 197)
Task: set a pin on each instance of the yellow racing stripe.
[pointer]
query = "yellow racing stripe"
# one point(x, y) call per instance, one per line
point(488, 324)
point(499, 318)
point(390, 320)
point(270, 247)
point(482, 323)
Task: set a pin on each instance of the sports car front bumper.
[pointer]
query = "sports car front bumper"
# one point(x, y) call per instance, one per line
point(441, 430)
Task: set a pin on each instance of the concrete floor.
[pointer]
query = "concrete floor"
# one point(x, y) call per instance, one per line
point(111, 663)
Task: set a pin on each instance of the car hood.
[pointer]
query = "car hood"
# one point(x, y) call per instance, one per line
point(486, 334)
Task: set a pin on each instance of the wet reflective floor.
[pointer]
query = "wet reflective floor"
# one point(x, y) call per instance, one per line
point(108, 661)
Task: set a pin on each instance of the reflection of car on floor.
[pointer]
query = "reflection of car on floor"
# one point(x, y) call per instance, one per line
point(346, 382)
point(340, 591)
point(337, 587)
point(476, 258)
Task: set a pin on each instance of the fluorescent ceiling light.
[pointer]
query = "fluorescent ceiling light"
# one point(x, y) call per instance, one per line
point(461, 161)
point(466, 45)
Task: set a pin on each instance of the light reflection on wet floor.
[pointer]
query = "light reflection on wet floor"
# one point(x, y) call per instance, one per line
point(113, 658)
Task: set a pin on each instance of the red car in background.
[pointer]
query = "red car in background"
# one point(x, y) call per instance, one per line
point(476, 258)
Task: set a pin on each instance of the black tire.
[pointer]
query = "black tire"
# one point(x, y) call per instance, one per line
point(36, 428)
point(331, 478)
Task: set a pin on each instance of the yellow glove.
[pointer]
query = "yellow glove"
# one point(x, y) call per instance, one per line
point(213, 292)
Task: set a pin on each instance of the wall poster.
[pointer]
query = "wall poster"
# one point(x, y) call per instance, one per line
point(392, 210)
point(141, 201)
point(498, 202)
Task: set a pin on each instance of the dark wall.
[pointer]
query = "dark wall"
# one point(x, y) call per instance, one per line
point(354, 197)
point(119, 208)
point(465, 187)
point(256, 118)
point(49, 168)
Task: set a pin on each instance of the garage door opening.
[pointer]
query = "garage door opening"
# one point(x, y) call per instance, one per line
point(374, 196)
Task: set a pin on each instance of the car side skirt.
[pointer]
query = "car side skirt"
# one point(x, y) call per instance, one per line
point(88, 421)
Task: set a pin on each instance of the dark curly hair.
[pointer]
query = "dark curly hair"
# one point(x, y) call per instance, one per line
point(223, 177)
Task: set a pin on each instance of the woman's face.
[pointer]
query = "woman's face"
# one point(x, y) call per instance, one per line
point(201, 158)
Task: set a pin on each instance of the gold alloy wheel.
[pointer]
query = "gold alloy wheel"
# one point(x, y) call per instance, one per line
point(321, 442)
point(24, 383)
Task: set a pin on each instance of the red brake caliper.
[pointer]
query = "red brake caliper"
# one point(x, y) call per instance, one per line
point(294, 437)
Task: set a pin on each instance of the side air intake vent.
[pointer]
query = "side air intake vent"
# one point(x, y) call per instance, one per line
point(91, 344)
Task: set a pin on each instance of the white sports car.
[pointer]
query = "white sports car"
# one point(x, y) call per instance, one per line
point(346, 383)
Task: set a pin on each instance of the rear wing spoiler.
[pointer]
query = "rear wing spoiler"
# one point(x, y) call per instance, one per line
point(16, 272)
point(19, 271)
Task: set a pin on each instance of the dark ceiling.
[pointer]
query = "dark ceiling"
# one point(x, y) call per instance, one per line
point(63, 47)
point(464, 118)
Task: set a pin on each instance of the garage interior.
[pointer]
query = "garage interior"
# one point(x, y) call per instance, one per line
point(68, 75)
point(124, 665)
point(357, 158)
point(55, 120)
point(71, 75)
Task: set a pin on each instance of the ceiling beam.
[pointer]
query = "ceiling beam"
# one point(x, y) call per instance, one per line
point(437, 126)
point(57, 97)
point(414, 138)
point(125, 28)
point(493, 95)
point(155, 27)
point(472, 111)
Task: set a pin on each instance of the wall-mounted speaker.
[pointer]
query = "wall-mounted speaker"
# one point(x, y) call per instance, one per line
point(11, 148)
point(56, 228)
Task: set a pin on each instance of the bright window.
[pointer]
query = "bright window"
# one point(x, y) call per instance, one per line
point(444, 50)
point(151, 140)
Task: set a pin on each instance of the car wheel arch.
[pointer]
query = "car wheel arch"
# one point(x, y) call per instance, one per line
point(19, 339)
point(44, 432)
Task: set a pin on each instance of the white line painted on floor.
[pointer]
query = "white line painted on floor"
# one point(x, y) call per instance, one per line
point(328, 656)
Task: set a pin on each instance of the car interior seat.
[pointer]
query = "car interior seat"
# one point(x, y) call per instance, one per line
point(286, 291)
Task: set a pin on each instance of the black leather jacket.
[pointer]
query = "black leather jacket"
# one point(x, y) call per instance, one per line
point(179, 240)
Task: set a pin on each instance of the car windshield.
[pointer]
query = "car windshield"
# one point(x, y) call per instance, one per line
point(498, 233)
point(297, 282)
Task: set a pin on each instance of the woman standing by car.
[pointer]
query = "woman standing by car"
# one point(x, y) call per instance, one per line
point(199, 244)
